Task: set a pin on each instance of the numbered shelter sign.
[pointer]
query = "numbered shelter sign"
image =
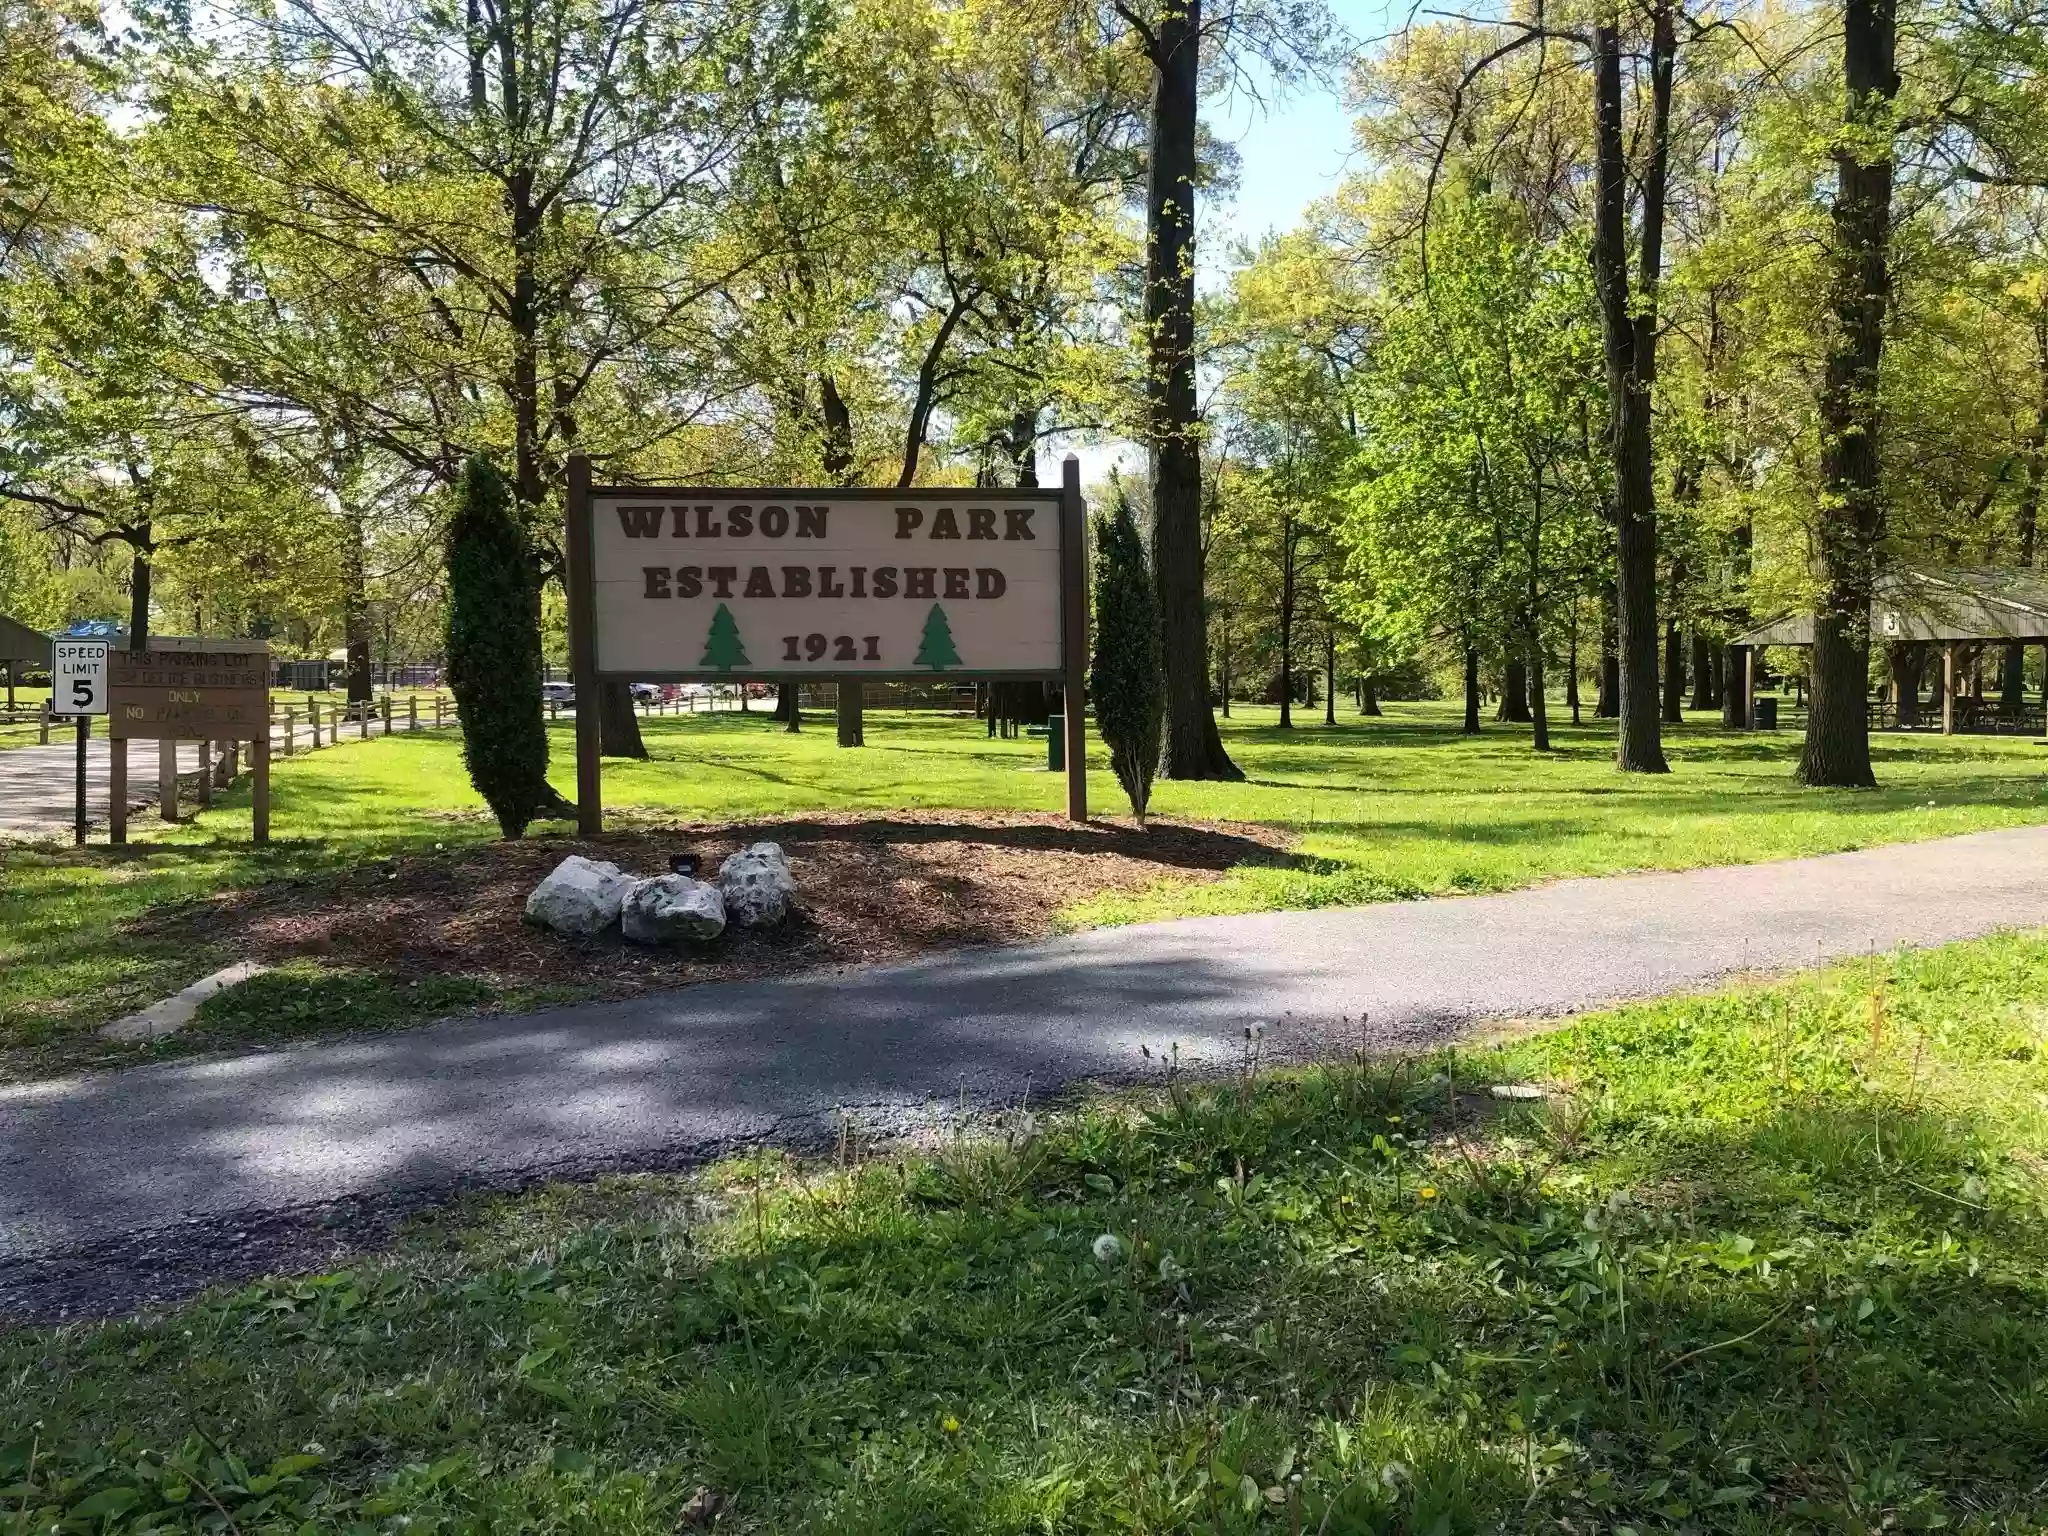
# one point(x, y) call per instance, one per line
point(78, 677)
point(793, 585)
point(190, 695)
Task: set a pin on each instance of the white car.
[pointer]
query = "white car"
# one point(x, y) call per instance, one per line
point(558, 693)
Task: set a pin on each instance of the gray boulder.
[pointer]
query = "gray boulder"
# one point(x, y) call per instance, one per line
point(580, 896)
point(757, 886)
point(672, 907)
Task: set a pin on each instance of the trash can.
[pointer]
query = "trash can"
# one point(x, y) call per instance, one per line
point(1056, 743)
point(1766, 715)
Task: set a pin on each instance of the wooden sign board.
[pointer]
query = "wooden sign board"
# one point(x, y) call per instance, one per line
point(800, 584)
point(824, 584)
point(189, 695)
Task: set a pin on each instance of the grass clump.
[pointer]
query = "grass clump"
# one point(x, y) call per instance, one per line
point(1763, 1261)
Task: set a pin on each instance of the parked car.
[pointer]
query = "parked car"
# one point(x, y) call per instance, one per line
point(647, 693)
point(558, 693)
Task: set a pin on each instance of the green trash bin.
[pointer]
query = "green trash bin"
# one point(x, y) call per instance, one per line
point(1766, 714)
point(1056, 743)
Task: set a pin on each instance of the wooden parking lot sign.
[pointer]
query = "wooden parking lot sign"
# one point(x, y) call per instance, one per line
point(671, 584)
point(183, 689)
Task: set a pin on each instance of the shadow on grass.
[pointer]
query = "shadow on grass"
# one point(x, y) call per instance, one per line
point(936, 1347)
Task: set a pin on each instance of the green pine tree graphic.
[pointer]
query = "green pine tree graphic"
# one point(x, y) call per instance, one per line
point(935, 649)
point(722, 647)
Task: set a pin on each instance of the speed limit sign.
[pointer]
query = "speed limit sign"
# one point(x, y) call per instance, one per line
point(78, 677)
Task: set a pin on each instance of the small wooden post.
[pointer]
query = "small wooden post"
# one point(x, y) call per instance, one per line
point(259, 792)
point(44, 723)
point(387, 714)
point(1948, 688)
point(117, 791)
point(205, 795)
point(437, 711)
point(364, 710)
point(167, 779)
point(291, 725)
point(412, 712)
point(313, 714)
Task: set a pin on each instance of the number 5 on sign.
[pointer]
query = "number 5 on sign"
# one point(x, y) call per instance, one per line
point(78, 675)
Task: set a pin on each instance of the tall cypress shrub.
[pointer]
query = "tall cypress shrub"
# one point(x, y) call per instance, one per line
point(494, 649)
point(1127, 680)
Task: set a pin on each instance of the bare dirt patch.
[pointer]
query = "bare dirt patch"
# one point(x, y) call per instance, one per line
point(869, 889)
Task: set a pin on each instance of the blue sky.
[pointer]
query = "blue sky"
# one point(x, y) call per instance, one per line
point(1292, 150)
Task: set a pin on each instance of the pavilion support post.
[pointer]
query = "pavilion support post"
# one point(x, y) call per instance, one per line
point(1745, 687)
point(1948, 688)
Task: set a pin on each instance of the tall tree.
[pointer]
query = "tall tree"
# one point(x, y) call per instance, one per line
point(1174, 35)
point(1850, 519)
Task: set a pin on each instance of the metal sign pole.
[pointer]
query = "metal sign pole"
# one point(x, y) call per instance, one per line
point(117, 791)
point(1074, 640)
point(84, 733)
point(583, 653)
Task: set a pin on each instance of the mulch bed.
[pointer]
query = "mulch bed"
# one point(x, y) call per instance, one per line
point(869, 889)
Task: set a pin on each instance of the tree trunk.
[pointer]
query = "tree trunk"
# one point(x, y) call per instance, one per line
point(1731, 689)
point(355, 616)
point(1514, 693)
point(1571, 672)
point(1851, 509)
point(1368, 697)
point(1705, 673)
point(2013, 695)
point(1539, 707)
point(1329, 677)
point(1674, 674)
point(1193, 748)
point(618, 726)
point(139, 581)
point(1471, 691)
point(850, 706)
point(789, 707)
point(1607, 701)
point(1909, 661)
point(1226, 664)
point(1628, 324)
point(1287, 624)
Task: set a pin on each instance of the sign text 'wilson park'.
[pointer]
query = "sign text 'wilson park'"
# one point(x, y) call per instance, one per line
point(920, 583)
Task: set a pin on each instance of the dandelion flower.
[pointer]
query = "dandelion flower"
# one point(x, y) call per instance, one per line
point(1427, 1192)
point(950, 1424)
point(1171, 1270)
point(1107, 1248)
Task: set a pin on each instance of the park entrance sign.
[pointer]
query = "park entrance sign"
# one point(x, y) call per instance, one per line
point(801, 585)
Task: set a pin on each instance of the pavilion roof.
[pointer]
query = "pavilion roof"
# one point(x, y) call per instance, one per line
point(1966, 603)
point(19, 643)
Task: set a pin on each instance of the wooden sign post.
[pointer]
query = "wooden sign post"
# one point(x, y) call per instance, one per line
point(670, 585)
point(189, 690)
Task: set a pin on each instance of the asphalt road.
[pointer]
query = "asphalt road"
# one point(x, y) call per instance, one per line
point(39, 785)
point(111, 1180)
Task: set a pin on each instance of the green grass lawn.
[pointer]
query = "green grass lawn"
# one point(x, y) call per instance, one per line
point(1770, 1260)
point(1378, 809)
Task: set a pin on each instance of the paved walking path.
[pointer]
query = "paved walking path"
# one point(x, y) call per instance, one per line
point(665, 1079)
